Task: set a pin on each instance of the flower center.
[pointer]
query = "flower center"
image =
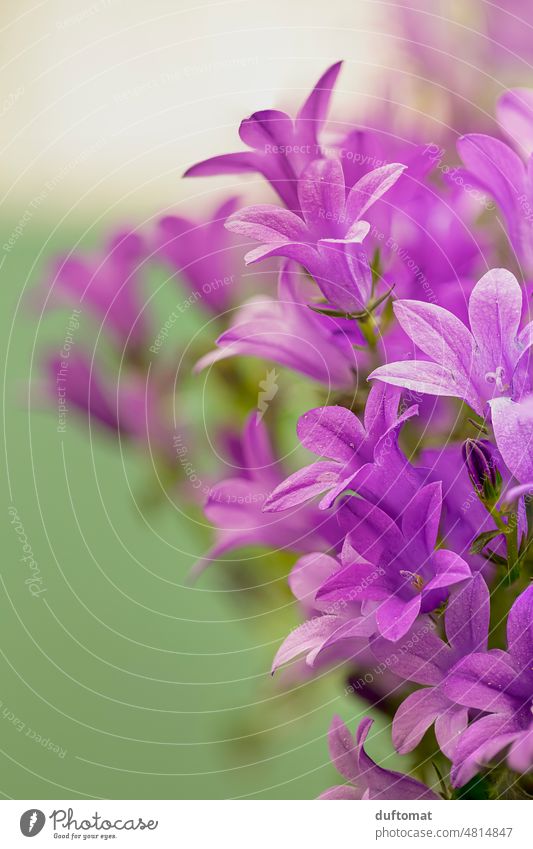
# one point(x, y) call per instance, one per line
point(497, 377)
point(416, 580)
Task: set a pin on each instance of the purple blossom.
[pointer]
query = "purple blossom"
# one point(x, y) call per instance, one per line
point(108, 285)
point(326, 239)
point(395, 566)
point(501, 685)
point(421, 656)
point(281, 147)
point(505, 174)
point(128, 405)
point(340, 627)
point(366, 779)
point(476, 365)
point(234, 506)
point(361, 456)
point(513, 428)
point(284, 330)
point(204, 255)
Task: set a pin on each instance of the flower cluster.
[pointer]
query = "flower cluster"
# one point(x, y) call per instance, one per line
point(410, 523)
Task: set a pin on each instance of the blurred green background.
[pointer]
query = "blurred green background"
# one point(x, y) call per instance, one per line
point(119, 680)
point(143, 686)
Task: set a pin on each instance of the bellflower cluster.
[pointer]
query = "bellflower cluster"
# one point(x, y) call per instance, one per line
point(409, 525)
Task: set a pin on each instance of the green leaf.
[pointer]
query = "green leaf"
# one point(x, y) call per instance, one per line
point(481, 541)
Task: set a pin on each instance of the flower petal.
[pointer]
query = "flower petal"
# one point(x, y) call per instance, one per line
point(414, 716)
point(494, 310)
point(370, 188)
point(304, 484)
point(467, 617)
point(428, 378)
point(513, 429)
point(332, 432)
point(520, 630)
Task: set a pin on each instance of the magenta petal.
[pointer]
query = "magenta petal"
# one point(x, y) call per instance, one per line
point(495, 309)
point(426, 377)
point(341, 791)
point(439, 334)
point(227, 163)
point(309, 573)
point(299, 251)
point(315, 108)
point(267, 223)
point(420, 656)
point(486, 681)
point(414, 716)
point(303, 485)
point(343, 750)
point(421, 517)
point(357, 581)
point(449, 726)
point(266, 129)
point(394, 616)
point(515, 115)
point(467, 616)
point(521, 753)
point(370, 188)
point(513, 429)
point(321, 193)
point(332, 432)
point(450, 569)
point(479, 743)
point(520, 631)
point(305, 638)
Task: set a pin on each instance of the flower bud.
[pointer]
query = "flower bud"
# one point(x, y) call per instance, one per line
point(481, 463)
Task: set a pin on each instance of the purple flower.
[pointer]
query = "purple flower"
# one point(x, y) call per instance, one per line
point(366, 779)
point(338, 626)
point(129, 406)
point(505, 174)
point(476, 365)
point(108, 286)
point(286, 331)
point(395, 566)
point(204, 255)
point(501, 685)
point(365, 457)
point(421, 656)
point(465, 517)
point(326, 238)
point(234, 507)
point(513, 429)
point(482, 465)
point(281, 147)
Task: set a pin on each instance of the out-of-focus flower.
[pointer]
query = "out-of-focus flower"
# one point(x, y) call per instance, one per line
point(397, 567)
point(366, 779)
point(477, 366)
point(204, 255)
point(286, 331)
point(501, 685)
point(327, 238)
point(234, 506)
point(108, 285)
point(281, 147)
point(364, 457)
point(128, 405)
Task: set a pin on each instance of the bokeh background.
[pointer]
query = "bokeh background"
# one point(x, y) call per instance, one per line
point(120, 680)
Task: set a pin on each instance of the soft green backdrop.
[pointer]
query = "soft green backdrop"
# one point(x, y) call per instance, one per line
point(150, 688)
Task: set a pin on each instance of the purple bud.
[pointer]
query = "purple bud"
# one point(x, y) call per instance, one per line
point(481, 462)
